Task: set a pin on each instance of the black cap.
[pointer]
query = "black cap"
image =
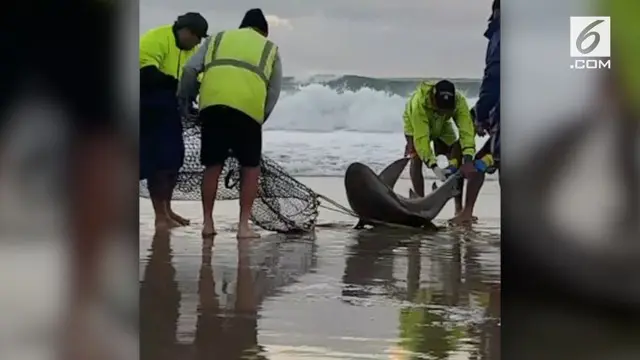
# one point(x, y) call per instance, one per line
point(254, 18)
point(194, 22)
point(445, 95)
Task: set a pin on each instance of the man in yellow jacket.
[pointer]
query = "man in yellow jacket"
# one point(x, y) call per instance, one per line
point(427, 118)
point(163, 52)
point(241, 83)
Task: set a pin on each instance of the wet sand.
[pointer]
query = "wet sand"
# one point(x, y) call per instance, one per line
point(336, 294)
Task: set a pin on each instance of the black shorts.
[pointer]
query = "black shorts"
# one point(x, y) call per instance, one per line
point(450, 151)
point(229, 132)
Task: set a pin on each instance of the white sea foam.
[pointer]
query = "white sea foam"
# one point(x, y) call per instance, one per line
point(318, 131)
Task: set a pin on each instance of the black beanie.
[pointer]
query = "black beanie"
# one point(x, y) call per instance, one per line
point(254, 18)
point(194, 22)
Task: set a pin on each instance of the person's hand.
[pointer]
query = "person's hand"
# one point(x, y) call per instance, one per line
point(480, 166)
point(480, 130)
point(438, 172)
point(450, 170)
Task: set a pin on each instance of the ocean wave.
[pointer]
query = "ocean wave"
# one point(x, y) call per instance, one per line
point(319, 129)
point(321, 108)
point(396, 86)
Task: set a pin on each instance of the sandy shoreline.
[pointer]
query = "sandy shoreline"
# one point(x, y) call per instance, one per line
point(487, 208)
point(329, 295)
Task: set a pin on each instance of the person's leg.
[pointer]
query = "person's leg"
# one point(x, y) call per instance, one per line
point(415, 166)
point(247, 147)
point(474, 184)
point(172, 180)
point(214, 150)
point(174, 148)
point(151, 164)
point(449, 145)
point(209, 192)
point(452, 152)
point(415, 172)
point(157, 182)
point(456, 153)
point(158, 188)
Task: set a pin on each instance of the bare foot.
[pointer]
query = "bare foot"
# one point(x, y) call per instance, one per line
point(474, 219)
point(246, 232)
point(179, 219)
point(462, 219)
point(166, 223)
point(209, 229)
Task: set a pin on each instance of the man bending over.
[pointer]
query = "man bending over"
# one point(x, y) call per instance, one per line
point(427, 118)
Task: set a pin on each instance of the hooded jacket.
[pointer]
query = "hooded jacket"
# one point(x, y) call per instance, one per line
point(424, 124)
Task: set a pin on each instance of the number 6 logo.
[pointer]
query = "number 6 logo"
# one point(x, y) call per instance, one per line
point(590, 36)
point(587, 33)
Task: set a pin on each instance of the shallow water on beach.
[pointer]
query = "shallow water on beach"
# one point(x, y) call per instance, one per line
point(339, 294)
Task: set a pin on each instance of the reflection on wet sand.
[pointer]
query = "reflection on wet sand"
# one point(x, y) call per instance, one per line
point(436, 322)
point(223, 330)
point(397, 296)
point(159, 302)
point(227, 333)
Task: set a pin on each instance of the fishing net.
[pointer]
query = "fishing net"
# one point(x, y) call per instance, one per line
point(283, 203)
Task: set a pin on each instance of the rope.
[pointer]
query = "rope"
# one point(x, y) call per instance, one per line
point(338, 208)
point(346, 211)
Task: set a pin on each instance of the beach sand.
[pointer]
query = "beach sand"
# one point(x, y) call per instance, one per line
point(336, 294)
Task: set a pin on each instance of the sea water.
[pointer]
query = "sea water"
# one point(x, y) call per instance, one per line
point(318, 129)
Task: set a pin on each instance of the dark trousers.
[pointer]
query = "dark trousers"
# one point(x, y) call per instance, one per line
point(161, 140)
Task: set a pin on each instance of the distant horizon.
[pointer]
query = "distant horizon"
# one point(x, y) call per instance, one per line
point(403, 78)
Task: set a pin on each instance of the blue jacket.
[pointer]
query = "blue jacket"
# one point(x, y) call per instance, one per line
point(490, 87)
point(495, 131)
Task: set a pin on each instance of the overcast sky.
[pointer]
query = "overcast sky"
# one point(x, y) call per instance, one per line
point(402, 38)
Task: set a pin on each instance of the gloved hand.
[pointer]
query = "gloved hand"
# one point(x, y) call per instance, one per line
point(480, 165)
point(440, 173)
point(450, 170)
